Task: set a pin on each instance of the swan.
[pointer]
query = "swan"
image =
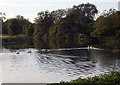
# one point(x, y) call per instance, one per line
point(44, 51)
point(29, 51)
point(89, 47)
point(17, 52)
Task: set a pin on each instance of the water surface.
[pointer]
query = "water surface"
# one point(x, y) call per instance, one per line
point(55, 65)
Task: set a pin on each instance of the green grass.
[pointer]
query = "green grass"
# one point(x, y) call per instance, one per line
point(112, 78)
point(9, 36)
point(5, 36)
point(8, 40)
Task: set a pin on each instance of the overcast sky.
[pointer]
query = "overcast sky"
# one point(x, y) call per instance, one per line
point(30, 8)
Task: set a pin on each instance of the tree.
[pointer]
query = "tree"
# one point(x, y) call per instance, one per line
point(2, 16)
point(80, 16)
point(24, 22)
point(117, 36)
point(58, 15)
point(107, 25)
point(89, 10)
point(19, 17)
point(14, 27)
point(44, 21)
point(76, 21)
point(29, 30)
point(4, 27)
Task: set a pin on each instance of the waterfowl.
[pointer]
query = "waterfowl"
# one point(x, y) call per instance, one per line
point(17, 52)
point(29, 51)
point(90, 47)
point(44, 51)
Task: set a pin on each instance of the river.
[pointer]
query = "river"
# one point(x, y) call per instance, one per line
point(31, 65)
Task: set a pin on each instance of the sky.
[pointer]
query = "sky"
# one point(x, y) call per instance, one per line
point(30, 8)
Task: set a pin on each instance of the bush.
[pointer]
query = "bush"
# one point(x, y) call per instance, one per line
point(111, 78)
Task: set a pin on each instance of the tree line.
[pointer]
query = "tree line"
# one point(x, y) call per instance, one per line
point(76, 23)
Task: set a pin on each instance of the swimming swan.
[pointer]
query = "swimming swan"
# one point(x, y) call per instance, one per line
point(29, 51)
point(17, 52)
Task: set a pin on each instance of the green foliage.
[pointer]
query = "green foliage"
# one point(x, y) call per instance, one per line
point(118, 35)
point(112, 78)
point(58, 15)
point(13, 40)
point(15, 26)
point(24, 22)
point(107, 25)
point(88, 10)
point(2, 16)
point(44, 21)
point(5, 37)
point(59, 24)
point(107, 29)
point(76, 21)
point(90, 28)
point(4, 28)
point(29, 30)
point(63, 25)
point(68, 24)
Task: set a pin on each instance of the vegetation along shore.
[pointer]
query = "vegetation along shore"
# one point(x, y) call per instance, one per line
point(111, 78)
point(76, 24)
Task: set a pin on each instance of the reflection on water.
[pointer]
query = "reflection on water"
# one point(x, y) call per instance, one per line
point(40, 44)
point(55, 65)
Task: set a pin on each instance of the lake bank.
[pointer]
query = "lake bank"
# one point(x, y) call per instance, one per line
point(12, 40)
point(21, 41)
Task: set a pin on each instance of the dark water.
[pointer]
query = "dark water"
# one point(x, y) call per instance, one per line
point(55, 65)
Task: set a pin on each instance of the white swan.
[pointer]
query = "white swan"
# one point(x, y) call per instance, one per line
point(29, 51)
point(90, 47)
point(17, 52)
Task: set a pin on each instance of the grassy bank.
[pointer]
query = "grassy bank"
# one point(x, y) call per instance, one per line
point(112, 78)
point(7, 39)
point(5, 36)
point(9, 36)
